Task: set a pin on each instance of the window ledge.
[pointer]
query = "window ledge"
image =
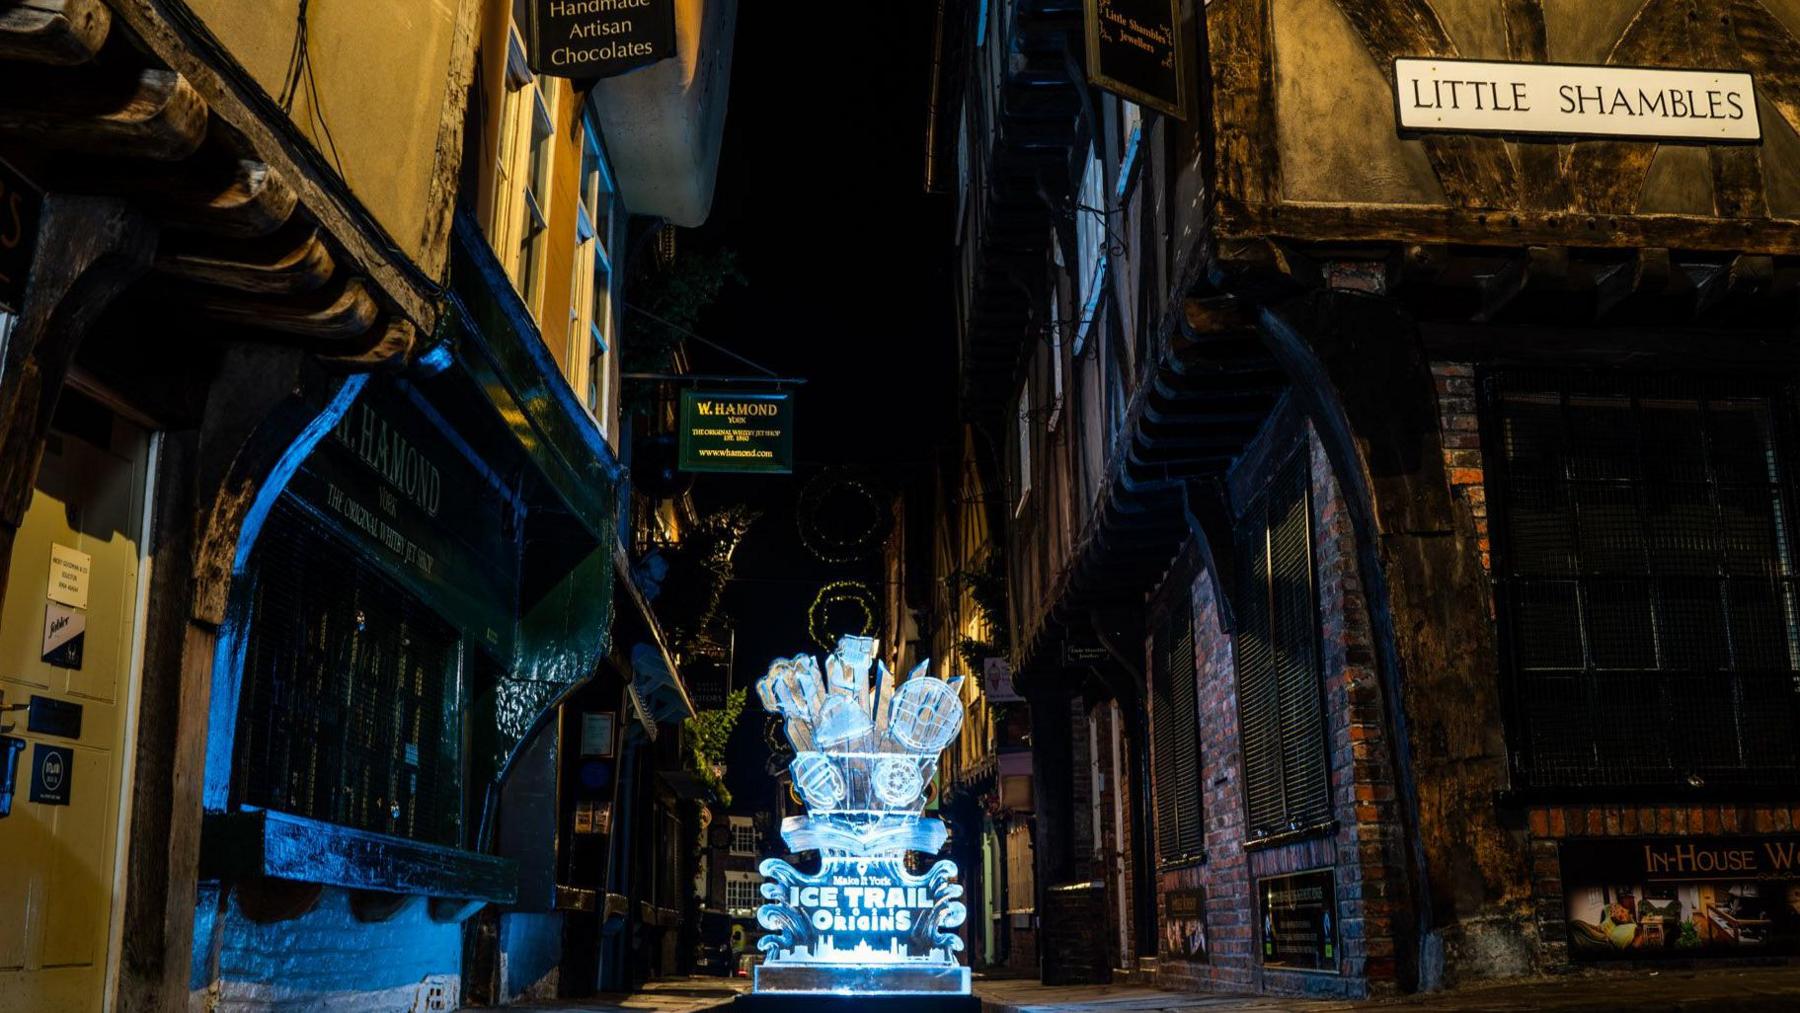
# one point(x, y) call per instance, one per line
point(1325, 829)
point(262, 842)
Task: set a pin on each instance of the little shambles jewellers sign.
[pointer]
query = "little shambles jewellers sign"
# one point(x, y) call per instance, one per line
point(1474, 97)
point(737, 432)
point(600, 38)
point(1135, 51)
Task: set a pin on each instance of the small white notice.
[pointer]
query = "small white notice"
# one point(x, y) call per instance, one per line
point(69, 576)
point(1472, 96)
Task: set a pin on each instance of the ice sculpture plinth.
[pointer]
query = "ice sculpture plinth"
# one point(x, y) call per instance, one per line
point(865, 749)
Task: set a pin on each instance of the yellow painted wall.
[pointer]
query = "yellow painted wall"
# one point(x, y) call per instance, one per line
point(383, 70)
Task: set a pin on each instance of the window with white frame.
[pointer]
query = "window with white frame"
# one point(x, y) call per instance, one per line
point(1090, 240)
point(522, 175)
point(591, 336)
point(743, 891)
point(743, 836)
point(1022, 456)
point(1057, 338)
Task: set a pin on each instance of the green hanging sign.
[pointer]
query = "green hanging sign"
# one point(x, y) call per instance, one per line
point(734, 432)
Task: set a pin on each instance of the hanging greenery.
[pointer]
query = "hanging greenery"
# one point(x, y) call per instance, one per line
point(676, 295)
point(706, 735)
point(986, 583)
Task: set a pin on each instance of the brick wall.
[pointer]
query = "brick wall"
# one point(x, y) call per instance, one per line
point(1365, 852)
point(1461, 438)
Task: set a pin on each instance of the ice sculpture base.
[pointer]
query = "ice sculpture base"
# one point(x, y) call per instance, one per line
point(826, 980)
point(827, 1002)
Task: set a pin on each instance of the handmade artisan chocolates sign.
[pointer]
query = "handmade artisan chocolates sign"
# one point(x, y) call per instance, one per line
point(588, 39)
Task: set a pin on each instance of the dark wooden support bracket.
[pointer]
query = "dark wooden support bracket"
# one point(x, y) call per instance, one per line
point(145, 112)
point(89, 250)
point(1540, 267)
point(53, 31)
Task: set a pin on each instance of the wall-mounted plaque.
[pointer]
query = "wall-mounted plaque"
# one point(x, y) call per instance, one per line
point(1682, 897)
point(1566, 100)
point(1299, 921)
point(1184, 925)
point(1136, 50)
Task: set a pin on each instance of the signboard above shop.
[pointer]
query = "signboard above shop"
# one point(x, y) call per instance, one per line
point(19, 206)
point(1136, 50)
point(737, 432)
point(588, 39)
point(1564, 100)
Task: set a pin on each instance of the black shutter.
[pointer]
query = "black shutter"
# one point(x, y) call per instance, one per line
point(1281, 719)
point(1644, 574)
point(1175, 738)
point(343, 700)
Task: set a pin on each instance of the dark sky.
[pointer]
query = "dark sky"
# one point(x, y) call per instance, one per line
point(848, 264)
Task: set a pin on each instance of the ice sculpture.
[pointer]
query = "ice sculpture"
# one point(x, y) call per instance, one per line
point(865, 749)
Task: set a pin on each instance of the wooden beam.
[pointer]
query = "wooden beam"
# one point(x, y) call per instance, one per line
point(89, 250)
point(342, 310)
point(219, 190)
point(1541, 181)
point(236, 100)
point(53, 31)
point(1766, 47)
point(1424, 225)
point(1543, 267)
point(293, 260)
point(1475, 171)
point(1243, 99)
point(392, 348)
point(1605, 176)
point(141, 112)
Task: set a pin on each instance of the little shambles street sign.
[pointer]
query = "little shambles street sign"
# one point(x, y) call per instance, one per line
point(600, 38)
point(1474, 97)
point(737, 432)
point(1135, 50)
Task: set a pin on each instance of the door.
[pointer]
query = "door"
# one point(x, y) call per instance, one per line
point(59, 852)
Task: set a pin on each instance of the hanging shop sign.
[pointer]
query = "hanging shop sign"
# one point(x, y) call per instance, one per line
point(392, 482)
point(1184, 925)
point(65, 635)
point(1680, 898)
point(20, 205)
point(1136, 50)
point(997, 681)
point(1299, 921)
point(587, 39)
point(737, 432)
point(1566, 100)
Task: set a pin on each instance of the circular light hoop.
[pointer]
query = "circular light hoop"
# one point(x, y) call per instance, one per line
point(838, 547)
point(840, 592)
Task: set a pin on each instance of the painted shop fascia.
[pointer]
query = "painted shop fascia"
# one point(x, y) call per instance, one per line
point(1369, 316)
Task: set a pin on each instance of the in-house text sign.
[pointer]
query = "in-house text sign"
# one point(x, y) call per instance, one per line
point(1476, 97)
point(600, 38)
point(737, 432)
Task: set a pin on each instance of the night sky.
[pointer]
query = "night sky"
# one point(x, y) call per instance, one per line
point(848, 266)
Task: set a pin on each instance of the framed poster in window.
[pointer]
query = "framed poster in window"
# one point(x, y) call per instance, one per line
point(1299, 921)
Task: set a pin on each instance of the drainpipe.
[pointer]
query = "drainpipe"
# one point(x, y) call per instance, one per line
point(1137, 725)
point(931, 110)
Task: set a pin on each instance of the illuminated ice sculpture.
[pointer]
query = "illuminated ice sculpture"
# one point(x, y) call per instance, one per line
point(865, 747)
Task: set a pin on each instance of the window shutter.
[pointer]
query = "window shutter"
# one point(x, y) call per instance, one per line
point(1281, 719)
point(1175, 739)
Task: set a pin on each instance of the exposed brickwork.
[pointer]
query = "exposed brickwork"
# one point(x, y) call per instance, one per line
point(1364, 852)
point(1461, 439)
point(1074, 931)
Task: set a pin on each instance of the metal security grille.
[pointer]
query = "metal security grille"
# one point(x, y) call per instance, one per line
point(1281, 720)
point(344, 716)
point(1645, 579)
point(1175, 736)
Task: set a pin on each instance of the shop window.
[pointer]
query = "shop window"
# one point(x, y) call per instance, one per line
point(1644, 580)
point(347, 714)
point(1281, 721)
point(1175, 736)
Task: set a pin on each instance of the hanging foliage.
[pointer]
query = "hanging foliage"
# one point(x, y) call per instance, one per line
point(676, 295)
point(706, 734)
point(985, 581)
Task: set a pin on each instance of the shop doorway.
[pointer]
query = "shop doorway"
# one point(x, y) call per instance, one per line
point(69, 652)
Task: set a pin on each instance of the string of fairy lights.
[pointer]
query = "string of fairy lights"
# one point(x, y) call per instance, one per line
point(841, 523)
